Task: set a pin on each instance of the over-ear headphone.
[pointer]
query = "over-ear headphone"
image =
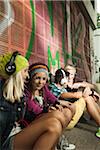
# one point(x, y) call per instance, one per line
point(10, 67)
point(64, 79)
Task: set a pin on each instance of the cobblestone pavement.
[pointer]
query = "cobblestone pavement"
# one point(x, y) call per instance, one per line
point(83, 136)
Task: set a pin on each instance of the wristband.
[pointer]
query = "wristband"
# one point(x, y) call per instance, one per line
point(57, 102)
point(92, 92)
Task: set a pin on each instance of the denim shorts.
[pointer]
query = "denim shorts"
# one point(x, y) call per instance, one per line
point(8, 144)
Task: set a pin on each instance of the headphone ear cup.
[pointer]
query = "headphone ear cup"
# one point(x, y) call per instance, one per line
point(10, 68)
point(63, 81)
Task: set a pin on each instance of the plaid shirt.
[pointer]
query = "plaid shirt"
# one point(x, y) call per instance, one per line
point(57, 91)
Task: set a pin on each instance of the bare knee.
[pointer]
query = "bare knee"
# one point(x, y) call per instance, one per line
point(68, 115)
point(54, 126)
point(64, 117)
point(60, 116)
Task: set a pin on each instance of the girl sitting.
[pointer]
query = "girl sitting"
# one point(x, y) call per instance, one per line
point(40, 100)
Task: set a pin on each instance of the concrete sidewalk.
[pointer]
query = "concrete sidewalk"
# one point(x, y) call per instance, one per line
point(83, 136)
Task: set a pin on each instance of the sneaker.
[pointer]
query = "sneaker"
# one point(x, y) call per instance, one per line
point(64, 145)
point(69, 147)
point(56, 148)
point(98, 133)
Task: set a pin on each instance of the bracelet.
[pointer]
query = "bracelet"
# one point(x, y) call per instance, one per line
point(92, 92)
point(57, 102)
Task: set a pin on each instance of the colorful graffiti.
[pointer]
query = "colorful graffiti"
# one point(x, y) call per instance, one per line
point(44, 35)
point(53, 63)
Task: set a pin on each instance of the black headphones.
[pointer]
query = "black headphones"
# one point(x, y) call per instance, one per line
point(64, 79)
point(10, 67)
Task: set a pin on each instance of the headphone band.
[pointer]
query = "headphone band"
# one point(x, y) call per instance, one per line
point(12, 59)
point(63, 80)
point(63, 73)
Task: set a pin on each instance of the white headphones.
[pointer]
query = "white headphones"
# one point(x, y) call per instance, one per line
point(64, 79)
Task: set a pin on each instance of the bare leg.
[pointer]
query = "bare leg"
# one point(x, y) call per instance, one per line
point(43, 132)
point(98, 107)
point(92, 109)
point(69, 105)
point(51, 136)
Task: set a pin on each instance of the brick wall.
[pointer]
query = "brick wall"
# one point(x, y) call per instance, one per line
point(80, 42)
point(38, 29)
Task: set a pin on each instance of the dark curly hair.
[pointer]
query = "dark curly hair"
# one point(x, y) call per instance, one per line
point(59, 75)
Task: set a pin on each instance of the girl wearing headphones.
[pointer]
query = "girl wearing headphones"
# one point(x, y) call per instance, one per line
point(40, 101)
point(43, 132)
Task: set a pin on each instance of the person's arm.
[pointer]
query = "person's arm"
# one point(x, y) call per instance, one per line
point(48, 96)
point(71, 95)
point(83, 84)
point(55, 103)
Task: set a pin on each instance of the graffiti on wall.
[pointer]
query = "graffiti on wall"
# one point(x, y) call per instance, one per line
point(76, 35)
point(30, 46)
point(10, 16)
point(57, 53)
point(66, 55)
point(50, 12)
point(53, 63)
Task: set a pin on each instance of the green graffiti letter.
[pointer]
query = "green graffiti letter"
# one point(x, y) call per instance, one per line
point(52, 61)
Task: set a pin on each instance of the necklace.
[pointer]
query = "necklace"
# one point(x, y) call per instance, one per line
point(38, 98)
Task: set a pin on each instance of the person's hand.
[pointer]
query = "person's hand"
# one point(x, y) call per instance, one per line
point(87, 92)
point(76, 85)
point(65, 104)
point(96, 96)
point(86, 84)
point(51, 108)
point(80, 84)
point(56, 107)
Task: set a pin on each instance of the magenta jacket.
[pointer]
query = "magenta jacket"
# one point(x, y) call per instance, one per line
point(33, 106)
